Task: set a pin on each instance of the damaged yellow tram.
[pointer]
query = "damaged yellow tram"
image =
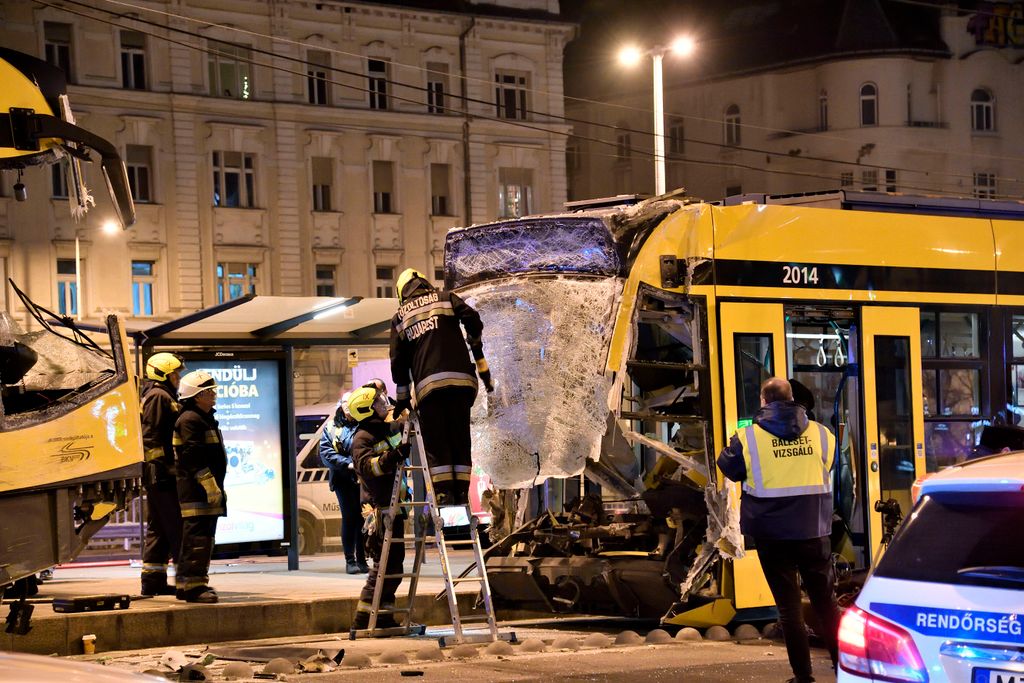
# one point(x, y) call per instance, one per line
point(629, 342)
point(70, 444)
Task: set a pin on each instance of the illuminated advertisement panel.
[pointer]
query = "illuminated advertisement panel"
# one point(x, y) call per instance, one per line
point(249, 414)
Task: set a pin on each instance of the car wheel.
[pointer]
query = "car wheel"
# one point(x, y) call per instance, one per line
point(309, 538)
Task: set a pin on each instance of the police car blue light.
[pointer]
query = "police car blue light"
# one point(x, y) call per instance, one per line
point(946, 601)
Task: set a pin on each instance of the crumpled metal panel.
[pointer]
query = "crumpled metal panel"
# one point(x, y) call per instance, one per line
point(546, 341)
point(555, 244)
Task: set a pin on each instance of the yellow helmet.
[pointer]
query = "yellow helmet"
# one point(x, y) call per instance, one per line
point(195, 383)
point(360, 403)
point(407, 276)
point(161, 365)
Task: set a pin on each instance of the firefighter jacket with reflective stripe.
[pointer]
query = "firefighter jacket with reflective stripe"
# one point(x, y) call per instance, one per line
point(160, 410)
point(784, 462)
point(428, 350)
point(201, 462)
point(373, 449)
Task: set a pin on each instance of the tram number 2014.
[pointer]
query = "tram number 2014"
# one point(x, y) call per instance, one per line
point(799, 275)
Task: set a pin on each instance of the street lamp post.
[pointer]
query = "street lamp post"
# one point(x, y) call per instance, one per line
point(630, 56)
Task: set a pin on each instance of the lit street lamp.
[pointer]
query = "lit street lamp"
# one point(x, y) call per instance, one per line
point(631, 56)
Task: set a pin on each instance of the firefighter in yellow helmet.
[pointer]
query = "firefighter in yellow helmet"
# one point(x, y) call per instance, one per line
point(160, 410)
point(429, 355)
point(377, 451)
point(201, 463)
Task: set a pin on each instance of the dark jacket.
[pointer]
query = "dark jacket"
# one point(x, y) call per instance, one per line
point(373, 440)
point(201, 462)
point(427, 346)
point(336, 449)
point(788, 517)
point(160, 409)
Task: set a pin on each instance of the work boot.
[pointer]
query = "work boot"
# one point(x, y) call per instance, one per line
point(201, 594)
point(154, 589)
point(352, 567)
point(363, 567)
point(387, 621)
point(361, 621)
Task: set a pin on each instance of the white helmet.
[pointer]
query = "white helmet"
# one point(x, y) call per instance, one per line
point(194, 383)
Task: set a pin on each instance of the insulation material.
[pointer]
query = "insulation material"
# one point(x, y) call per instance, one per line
point(541, 245)
point(546, 341)
point(723, 538)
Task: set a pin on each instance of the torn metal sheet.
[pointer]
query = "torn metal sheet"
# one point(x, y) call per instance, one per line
point(723, 538)
point(691, 466)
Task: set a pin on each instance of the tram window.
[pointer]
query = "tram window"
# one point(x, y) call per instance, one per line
point(930, 380)
point(928, 341)
point(753, 366)
point(958, 334)
point(1017, 335)
point(895, 418)
point(1017, 377)
point(947, 443)
point(961, 391)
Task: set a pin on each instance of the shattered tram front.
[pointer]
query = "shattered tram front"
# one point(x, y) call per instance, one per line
point(603, 375)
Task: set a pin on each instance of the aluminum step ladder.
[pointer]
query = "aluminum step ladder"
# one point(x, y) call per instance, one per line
point(422, 509)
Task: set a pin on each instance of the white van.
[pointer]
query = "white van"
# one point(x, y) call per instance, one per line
point(319, 514)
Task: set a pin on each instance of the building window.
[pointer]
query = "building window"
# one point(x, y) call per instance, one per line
point(143, 278)
point(982, 110)
point(57, 46)
point(58, 181)
point(383, 186)
point(235, 280)
point(67, 287)
point(985, 185)
point(137, 163)
point(869, 180)
point(234, 179)
point(385, 282)
point(323, 175)
point(846, 179)
point(732, 125)
point(3, 284)
point(230, 70)
point(868, 105)
point(377, 75)
point(437, 87)
point(440, 190)
point(823, 110)
point(890, 180)
point(318, 64)
point(515, 192)
point(622, 146)
point(325, 279)
point(439, 276)
point(133, 60)
point(510, 94)
point(733, 190)
point(676, 137)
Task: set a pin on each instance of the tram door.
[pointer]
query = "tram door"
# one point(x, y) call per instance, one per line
point(753, 349)
point(893, 415)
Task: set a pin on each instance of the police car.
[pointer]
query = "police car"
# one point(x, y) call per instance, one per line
point(946, 600)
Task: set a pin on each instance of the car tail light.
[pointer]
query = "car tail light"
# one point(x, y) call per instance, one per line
point(878, 649)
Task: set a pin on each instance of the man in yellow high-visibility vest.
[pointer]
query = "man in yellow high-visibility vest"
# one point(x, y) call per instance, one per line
point(784, 462)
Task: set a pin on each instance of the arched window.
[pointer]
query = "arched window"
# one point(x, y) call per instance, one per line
point(982, 110)
point(732, 125)
point(869, 104)
point(823, 110)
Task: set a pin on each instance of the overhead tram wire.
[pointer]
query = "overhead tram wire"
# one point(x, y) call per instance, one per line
point(750, 126)
point(510, 122)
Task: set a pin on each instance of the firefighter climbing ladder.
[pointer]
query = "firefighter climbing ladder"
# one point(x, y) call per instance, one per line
point(427, 506)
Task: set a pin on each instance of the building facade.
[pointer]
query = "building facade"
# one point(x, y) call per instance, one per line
point(806, 96)
point(284, 147)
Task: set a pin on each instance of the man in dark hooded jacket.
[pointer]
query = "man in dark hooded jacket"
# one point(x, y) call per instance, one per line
point(429, 353)
point(783, 461)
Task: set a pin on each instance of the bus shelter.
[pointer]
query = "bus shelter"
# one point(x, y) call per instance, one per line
point(248, 345)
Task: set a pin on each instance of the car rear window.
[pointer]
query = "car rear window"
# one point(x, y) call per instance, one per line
point(948, 533)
